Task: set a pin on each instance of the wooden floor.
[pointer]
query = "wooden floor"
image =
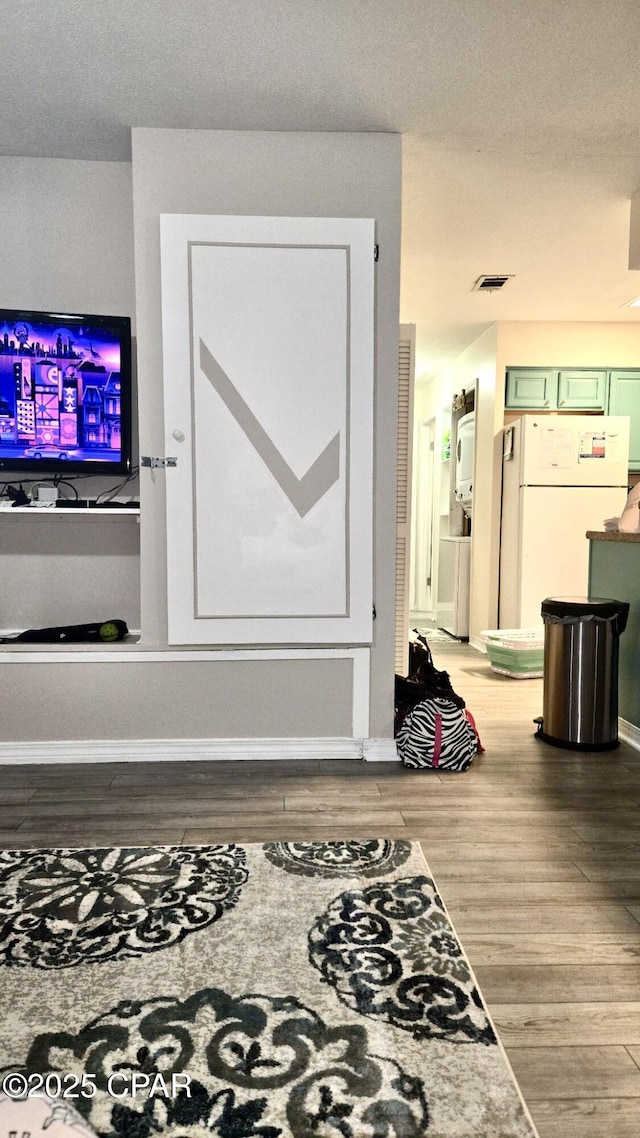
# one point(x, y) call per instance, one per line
point(536, 851)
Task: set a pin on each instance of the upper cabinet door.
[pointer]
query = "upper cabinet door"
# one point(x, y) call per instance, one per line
point(268, 340)
point(531, 388)
point(624, 399)
point(582, 390)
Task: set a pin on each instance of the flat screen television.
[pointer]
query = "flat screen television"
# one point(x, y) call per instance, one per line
point(65, 393)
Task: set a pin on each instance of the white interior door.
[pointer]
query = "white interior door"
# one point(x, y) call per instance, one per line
point(268, 391)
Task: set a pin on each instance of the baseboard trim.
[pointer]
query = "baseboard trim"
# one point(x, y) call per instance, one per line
point(629, 733)
point(379, 751)
point(179, 750)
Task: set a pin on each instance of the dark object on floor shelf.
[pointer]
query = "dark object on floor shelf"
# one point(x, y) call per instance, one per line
point(432, 726)
point(106, 632)
point(419, 653)
point(423, 678)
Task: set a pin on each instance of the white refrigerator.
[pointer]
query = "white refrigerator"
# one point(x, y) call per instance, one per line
point(561, 476)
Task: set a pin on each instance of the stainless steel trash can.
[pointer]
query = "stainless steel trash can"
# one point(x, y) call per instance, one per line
point(580, 687)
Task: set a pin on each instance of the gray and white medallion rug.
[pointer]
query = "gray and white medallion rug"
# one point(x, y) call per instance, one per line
point(280, 990)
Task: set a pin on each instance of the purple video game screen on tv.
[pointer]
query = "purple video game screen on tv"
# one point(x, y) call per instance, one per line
point(64, 392)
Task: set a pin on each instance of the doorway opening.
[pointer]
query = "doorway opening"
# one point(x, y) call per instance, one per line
point(441, 515)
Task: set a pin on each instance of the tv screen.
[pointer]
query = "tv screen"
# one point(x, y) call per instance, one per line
point(65, 393)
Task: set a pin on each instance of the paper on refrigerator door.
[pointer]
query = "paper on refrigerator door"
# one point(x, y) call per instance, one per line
point(600, 445)
point(556, 448)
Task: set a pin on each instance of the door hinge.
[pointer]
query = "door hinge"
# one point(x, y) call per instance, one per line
point(153, 461)
point(376, 252)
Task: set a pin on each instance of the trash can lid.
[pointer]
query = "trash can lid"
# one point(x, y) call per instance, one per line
point(583, 606)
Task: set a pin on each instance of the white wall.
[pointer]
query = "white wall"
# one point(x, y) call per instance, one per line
point(288, 174)
point(68, 240)
point(67, 236)
point(524, 343)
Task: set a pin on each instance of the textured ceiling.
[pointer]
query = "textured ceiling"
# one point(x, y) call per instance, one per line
point(523, 118)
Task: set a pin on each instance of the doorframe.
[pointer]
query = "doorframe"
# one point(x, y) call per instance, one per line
point(422, 520)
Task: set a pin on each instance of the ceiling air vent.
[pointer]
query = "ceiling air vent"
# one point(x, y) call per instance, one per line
point(492, 283)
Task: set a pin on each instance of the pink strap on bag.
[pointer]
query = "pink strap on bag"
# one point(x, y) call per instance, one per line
point(473, 724)
point(437, 742)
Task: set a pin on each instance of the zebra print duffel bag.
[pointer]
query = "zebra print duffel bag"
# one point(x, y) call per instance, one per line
point(438, 734)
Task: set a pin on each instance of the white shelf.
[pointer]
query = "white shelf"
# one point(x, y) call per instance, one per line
point(60, 511)
point(132, 651)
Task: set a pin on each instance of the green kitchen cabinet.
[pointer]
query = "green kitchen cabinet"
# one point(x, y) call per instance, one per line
point(624, 399)
point(532, 388)
point(556, 389)
point(582, 390)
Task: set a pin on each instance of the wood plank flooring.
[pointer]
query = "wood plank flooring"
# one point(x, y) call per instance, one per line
point(536, 851)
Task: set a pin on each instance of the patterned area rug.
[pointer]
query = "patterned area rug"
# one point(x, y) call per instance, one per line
point(307, 989)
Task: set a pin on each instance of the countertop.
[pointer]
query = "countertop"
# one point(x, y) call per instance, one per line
point(601, 535)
